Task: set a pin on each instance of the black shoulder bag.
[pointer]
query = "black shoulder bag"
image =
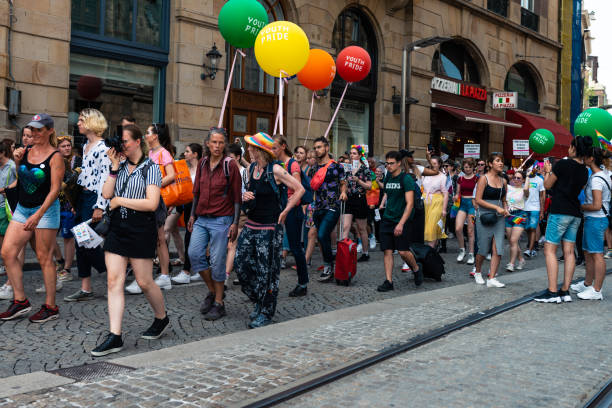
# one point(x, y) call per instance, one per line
point(490, 218)
point(603, 208)
point(103, 226)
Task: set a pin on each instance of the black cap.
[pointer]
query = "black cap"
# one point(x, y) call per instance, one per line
point(41, 119)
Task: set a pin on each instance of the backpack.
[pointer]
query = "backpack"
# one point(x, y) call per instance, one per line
point(430, 260)
point(279, 190)
point(308, 196)
point(226, 171)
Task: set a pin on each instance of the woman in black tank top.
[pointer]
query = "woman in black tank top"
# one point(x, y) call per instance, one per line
point(257, 261)
point(491, 200)
point(40, 173)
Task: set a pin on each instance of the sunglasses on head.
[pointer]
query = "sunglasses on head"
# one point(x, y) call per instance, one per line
point(64, 137)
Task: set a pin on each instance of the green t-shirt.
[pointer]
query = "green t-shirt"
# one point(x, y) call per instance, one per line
point(395, 188)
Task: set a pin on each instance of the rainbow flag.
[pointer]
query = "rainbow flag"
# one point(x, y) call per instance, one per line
point(518, 220)
point(603, 141)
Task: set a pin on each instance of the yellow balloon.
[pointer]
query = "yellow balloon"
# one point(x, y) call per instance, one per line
point(282, 46)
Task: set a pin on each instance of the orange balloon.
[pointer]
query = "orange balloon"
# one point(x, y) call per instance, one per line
point(319, 71)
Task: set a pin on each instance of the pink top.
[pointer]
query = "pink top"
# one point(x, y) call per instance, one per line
point(434, 184)
point(162, 157)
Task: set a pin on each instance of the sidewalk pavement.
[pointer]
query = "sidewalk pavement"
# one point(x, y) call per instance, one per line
point(505, 361)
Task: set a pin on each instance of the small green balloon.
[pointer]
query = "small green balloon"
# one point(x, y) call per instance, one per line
point(241, 20)
point(591, 120)
point(541, 141)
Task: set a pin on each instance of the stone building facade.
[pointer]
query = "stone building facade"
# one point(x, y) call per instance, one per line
point(146, 58)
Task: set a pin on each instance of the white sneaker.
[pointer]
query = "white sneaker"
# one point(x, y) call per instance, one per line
point(58, 286)
point(488, 257)
point(494, 283)
point(163, 281)
point(533, 253)
point(405, 267)
point(590, 294)
point(133, 288)
point(195, 277)
point(608, 255)
point(182, 278)
point(359, 248)
point(372, 241)
point(578, 287)
point(478, 278)
point(527, 253)
point(6, 292)
point(521, 265)
point(461, 255)
point(510, 267)
point(470, 260)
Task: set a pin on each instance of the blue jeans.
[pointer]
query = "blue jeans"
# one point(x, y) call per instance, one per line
point(562, 227)
point(293, 232)
point(210, 231)
point(325, 221)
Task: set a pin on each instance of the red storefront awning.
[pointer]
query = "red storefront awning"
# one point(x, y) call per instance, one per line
point(530, 122)
point(473, 116)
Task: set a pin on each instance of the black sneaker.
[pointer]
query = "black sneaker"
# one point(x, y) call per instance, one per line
point(16, 309)
point(298, 291)
point(548, 297)
point(157, 329)
point(217, 311)
point(418, 276)
point(579, 261)
point(327, 275)
point(208, 303)
point(112, 344)
point(45, 314)
point(364, 258)
point(565, 295)
point(386, 286)
point(236, 282)
point(79, 296)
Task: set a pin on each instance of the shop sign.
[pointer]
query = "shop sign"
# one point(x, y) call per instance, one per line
point(520, 147)
point(505, 100)
point(468, 91)
point(471, 150)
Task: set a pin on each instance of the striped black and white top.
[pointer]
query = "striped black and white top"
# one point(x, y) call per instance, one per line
point(137, 180)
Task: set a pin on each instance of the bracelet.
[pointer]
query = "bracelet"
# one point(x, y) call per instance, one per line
point(113, 172)
point(112, 175)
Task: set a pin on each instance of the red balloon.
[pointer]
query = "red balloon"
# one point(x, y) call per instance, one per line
point(89, 87)
point(319, 71)
point(353, 63)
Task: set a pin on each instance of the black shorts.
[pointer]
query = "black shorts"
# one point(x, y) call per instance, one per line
point(388, 240)
point(357, 206)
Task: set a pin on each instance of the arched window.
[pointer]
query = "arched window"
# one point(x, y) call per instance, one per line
point(355, 121)
point(247, 75)
point(520, 79)
point(453, 60)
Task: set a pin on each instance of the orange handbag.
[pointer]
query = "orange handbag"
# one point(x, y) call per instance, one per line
point(181, 191)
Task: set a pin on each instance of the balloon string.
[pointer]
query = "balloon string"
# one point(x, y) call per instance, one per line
point(229, 85)
point(525, 162)
point(278, 122)
point(309, 118)
point(337, 109)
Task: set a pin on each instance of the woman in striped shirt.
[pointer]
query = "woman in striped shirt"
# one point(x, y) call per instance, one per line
point(134, 190)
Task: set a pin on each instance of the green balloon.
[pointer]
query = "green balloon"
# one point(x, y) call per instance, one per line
point(241, 20)
point(591, 120)
point(541, 141)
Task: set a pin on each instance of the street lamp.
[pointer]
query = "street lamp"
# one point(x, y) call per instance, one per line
point(404, 139)
point(213, 56)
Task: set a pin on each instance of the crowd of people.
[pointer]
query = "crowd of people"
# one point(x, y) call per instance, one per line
point(256, 200)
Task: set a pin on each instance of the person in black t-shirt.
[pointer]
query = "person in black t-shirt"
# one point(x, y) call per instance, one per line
point(566, 180)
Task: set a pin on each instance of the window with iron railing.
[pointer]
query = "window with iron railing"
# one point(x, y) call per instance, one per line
point(498, 6)
point(530, 19)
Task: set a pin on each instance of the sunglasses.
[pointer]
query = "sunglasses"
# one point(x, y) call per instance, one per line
point(389, 163)
point(481, 164)
point(64, 137)
point(517, 178)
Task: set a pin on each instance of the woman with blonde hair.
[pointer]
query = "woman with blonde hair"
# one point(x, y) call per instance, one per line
point(91, 204)
point(40, 172)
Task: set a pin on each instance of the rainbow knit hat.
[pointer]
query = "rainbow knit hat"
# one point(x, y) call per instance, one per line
point(261, 140)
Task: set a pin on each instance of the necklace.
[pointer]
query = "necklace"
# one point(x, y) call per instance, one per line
point(132, 163)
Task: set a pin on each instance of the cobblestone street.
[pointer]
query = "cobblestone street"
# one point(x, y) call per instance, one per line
point(66, 342)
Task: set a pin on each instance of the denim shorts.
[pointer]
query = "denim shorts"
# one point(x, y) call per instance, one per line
point(513, 214)
point(561, 227)
point(67, 219)
point(211, 233)
point(50, 220)
point(593, 234)
point(533, 219)
point(466, 206)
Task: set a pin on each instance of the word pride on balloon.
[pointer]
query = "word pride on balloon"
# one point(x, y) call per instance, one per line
point(282, 46)
point(241, 20)
point(541, 141)
point(353, 63)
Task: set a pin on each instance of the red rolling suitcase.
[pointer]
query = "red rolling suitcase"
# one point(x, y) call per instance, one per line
point(346, 256)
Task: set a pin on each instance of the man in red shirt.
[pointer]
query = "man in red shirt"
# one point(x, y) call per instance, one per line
point(217, 195)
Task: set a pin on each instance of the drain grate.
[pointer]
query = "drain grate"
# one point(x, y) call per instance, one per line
point(94, 371)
